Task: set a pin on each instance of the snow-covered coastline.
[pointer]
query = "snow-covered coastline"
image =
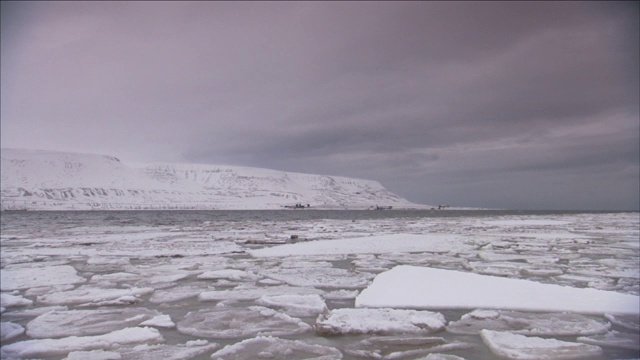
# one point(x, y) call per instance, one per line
point(46, 180)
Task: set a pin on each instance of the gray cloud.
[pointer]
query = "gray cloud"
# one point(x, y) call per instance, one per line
point(495, 104)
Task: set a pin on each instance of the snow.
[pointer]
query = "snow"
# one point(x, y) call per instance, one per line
point(391, 243)
point(427, 288)
point(379, 321)
point(512, 346)
point(275, 348)
point(47, 180)
point(230, 323)
point(51, 347)
point(24, 277)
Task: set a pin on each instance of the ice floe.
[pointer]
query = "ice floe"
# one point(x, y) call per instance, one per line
point(253, 292)
point(392, 243)
point(331, 278)
point(94, 296)
point(229, 274)
point(556, 324)
point(379, 321)
point(228, 323)
point(8, 300)
point(57, 324)
point(295, 305)
point(26, 277)
point(513, 346)
point(52, 347)
point(262, 347)
point(396, 347)
point(614, 339)
point(428, 288)
point(186, 351)
point(176, 293)
point(9, 330)
point(628, 322)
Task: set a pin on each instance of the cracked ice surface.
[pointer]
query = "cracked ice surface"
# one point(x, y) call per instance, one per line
point(125, 271)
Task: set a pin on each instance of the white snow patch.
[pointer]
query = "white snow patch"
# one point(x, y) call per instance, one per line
point(425, 288)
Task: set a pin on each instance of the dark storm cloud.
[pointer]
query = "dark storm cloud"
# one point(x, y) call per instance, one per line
point(440, 101)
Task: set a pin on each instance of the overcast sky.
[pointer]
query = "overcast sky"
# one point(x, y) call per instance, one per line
point(506, 105)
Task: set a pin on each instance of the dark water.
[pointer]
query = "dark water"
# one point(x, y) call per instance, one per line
point(47, 219)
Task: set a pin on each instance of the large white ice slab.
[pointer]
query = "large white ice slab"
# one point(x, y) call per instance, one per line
point(426, 288)
point(392, 243)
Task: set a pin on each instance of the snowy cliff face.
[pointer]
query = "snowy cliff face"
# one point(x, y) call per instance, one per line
point(44, 180)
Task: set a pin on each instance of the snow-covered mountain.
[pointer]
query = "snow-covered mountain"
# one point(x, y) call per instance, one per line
point(46, 180)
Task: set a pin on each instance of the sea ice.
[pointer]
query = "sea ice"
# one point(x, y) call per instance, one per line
point(9, 330)
point(295, 305)
point(25, 277)
point(174, 294)
point(392, 243)
point(557, 324)
point(94, 355)
point(93, 295)
point(262, 347)
point(513, 346)
point(614, 339)
point(186, 351)
point(252, 292)
point(341, 294)
point(427, 288)
point(52, 347)
point(396, 347)
point(627, 322)
point(57, 324)
point(8, 300)
point(229, 323)
point(378, 321)
point(229, 274)
point(318, 277)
